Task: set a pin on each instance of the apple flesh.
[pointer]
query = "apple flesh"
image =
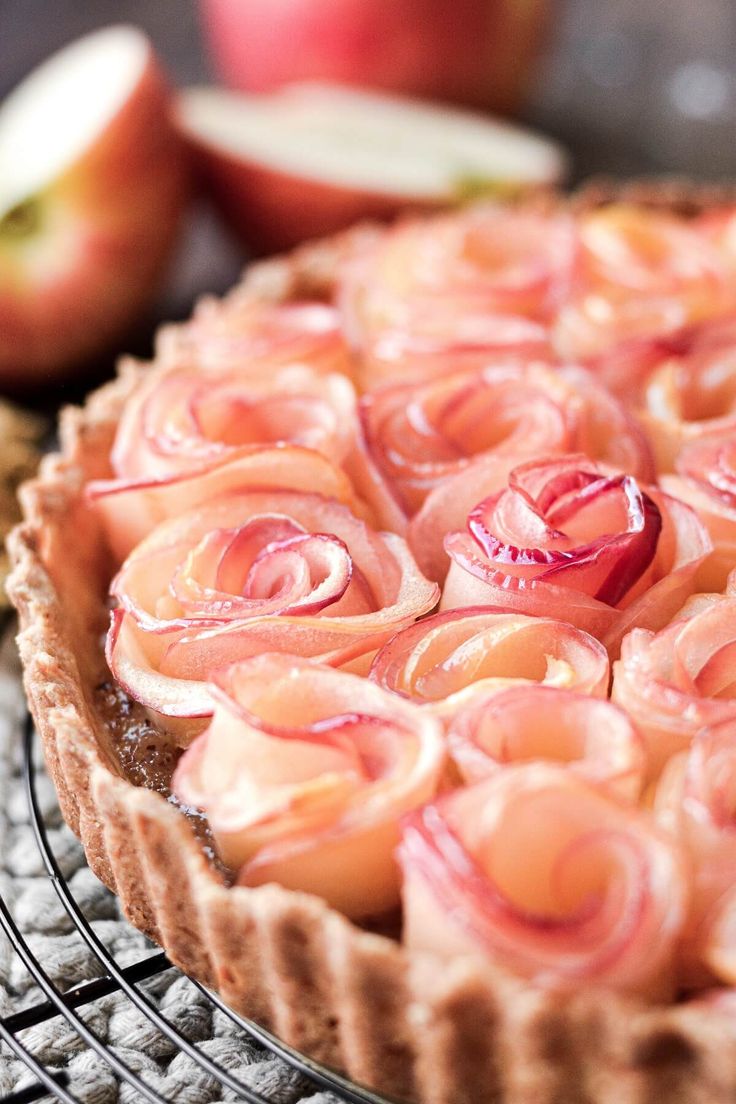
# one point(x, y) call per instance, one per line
point(477, 53)
point(92, 185)
point(313, 158)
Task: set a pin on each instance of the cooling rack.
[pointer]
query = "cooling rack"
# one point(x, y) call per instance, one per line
point(126, 980)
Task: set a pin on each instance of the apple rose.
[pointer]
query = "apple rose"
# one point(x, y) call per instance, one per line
point(641, 274)
point(252, 571)
point(419, 436)
point(706, 481)
point(675, 682)
point(245, 334)
point(627, 369)
point(451, 658)
point(304, 773)
point(546, 875)
point(130, 508)
point(574, 540)
point(445, 346)
point(690, 393)
point(527, 723)
point(696, 801)
point(181, 418)
point(487, 278)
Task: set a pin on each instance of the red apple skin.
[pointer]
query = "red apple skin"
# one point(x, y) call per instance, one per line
point(272, 211)
point(106, 229)
point(476, 53)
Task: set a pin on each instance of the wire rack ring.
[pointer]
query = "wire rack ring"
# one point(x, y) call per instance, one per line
point(126, 980)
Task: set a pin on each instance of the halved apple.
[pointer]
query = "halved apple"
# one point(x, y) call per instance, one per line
point(92, 184)
point(312, 158)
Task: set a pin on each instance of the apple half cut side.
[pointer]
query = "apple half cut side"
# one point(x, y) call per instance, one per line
point(93, 178)
point(312, 158)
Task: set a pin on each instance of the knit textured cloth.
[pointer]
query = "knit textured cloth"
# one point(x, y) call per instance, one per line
point(36, 909)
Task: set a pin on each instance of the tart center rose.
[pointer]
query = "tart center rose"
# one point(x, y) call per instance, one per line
point(304, 773)
point(475, 426)
point(574, 540)
point(592, 532)
point(251, 571)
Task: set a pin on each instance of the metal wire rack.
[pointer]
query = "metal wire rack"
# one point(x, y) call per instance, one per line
point(127, 980)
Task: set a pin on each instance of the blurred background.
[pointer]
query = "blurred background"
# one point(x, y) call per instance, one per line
point(628, 86)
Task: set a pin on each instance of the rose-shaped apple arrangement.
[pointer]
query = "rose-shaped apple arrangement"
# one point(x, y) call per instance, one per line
point(251, 571)
point(574, 540)
point(254, 336)
point(641, 275)
point(599, 897)
point(374, 557)
point(468, 429)
point(690, 389)
point(680, 679)
point(538, 722)
point(181, 418)
point(304, 773)
point(706, 479)
point(446, 291)
point(131, 508)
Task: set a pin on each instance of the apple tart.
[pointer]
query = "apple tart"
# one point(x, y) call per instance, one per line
point(381, 636)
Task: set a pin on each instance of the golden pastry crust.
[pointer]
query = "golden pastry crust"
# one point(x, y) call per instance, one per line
point(399, 1022)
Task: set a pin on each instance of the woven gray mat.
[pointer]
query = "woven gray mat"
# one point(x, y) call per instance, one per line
point(53, 939)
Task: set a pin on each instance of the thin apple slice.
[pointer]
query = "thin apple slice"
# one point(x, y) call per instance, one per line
point(313, 158)
point(92, 182)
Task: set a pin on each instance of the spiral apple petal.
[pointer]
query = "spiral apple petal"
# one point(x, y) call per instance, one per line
point(535, 869)
point(304, 773)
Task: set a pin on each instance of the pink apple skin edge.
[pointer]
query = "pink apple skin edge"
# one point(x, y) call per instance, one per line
point(272, 211)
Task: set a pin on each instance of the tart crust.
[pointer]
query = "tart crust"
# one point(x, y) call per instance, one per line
point(400, 1022)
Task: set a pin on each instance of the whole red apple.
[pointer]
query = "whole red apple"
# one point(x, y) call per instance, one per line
point(472, 52)
point(93, 179)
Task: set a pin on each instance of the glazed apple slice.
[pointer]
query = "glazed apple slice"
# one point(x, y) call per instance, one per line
point(92, 182)
point(313, 158)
